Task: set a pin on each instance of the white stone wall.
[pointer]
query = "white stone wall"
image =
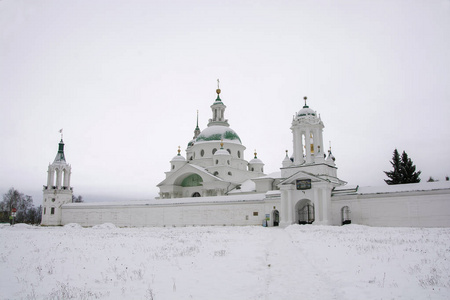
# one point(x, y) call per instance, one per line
point(200, 214)
point(404, 209)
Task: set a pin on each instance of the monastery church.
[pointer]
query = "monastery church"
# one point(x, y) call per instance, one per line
point(215, 185)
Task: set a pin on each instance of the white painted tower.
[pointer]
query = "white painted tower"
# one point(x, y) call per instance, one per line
point(308, 176)
point(58, 190)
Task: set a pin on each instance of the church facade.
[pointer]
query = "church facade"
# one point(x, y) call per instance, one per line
point(215, 185)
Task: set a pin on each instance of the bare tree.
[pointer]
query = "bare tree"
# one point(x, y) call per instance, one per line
point(26, 212)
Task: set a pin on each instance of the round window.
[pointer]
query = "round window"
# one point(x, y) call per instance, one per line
point(216, 173)
point(229, 173)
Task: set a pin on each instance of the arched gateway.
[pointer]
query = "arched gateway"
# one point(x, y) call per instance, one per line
point(304, 212)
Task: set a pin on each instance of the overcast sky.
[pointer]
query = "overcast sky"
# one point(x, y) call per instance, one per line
point(124, 79)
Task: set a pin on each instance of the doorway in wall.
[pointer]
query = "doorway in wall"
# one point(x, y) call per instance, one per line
point(276, 218)
point(304, 212)
point(345, 214)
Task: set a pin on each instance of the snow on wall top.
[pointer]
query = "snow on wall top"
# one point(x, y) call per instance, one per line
point(174, 201)
point(396, 188)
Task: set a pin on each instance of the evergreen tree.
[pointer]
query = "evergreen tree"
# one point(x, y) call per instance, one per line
point(395, 175)
point(409, 170)
point(404, 170)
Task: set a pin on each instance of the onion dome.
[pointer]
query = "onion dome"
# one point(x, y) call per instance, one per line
point(306, 111)
point(178, 157)
point(221, 151)
point(255, 160)
point(256, 165)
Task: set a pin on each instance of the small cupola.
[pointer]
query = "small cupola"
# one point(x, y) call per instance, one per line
point(218, 111)
point(177, 161)
point(222, 157)
point(256, 165)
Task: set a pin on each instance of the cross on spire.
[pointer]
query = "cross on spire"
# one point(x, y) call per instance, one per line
point(218, 89)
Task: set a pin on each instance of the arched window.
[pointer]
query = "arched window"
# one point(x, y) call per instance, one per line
point(202, 153)
point(214, 150)
point(239, 154)
point(196, 194)
point(216, 173)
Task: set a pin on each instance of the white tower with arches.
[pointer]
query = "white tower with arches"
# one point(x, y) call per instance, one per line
point(309, 175)
point(58, 190)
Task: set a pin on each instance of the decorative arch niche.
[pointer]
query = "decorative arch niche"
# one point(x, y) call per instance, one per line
point(192, 180)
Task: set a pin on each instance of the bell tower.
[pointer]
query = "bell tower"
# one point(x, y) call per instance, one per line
point(58, 190)
point(307, 130)
point(308, 176)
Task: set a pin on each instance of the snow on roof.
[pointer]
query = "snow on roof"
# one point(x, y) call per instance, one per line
point(255, 161)
point(216, 133)
point(173, 201)
point(178, 158)
point(246, 187)
point(396, 188)
point(273, 175)
point(222, 152)
point(273, 194)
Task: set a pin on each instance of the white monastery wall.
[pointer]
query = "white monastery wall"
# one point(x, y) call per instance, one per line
point(185, 214)
point(404, 209)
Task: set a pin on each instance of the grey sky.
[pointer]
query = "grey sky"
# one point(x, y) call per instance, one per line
point(125, 79)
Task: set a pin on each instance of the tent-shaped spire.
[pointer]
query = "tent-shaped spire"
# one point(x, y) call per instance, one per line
point(60, 155)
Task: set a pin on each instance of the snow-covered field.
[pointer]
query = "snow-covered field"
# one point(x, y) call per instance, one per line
point(299, 262)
